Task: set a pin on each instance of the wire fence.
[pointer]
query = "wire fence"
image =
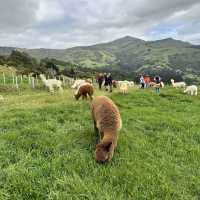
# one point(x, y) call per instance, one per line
point(17, 81)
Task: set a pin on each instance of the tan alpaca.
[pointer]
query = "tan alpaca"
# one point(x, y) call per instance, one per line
point(107, 122)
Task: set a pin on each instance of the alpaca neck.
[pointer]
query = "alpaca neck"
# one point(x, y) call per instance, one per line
point(108, 136)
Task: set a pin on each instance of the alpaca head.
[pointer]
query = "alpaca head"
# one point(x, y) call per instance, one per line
point(172, 81)
point(102, 152)
point(76, 96)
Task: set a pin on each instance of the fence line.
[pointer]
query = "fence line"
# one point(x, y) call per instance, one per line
point(17, 81)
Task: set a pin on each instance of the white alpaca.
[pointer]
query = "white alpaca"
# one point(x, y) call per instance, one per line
point(78, 83)
point(162, 84)
point(51, 83)
point(191, 90)
point(178, 84)
point(123, 88)
point(129, 83)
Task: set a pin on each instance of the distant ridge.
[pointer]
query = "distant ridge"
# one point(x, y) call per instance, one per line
point(128, 54)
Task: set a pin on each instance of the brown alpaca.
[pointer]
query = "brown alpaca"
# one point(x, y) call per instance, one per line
point(107, 122)
point(84, 90)
point(114, 83)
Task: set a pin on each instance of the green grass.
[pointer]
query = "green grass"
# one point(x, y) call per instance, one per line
point(47, 145)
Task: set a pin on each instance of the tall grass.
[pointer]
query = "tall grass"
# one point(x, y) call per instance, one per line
point(47, 144)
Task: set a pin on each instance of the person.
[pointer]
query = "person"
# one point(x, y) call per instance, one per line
point(109, 79)
point(100, 79)
point(142, 82)
point(106, 81)
point(157, 80)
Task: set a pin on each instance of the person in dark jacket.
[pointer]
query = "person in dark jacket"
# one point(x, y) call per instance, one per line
point(109, 80)
point(106, 81)
point(157, 80)
point(100, 79)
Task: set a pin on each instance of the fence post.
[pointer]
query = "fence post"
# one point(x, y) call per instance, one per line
point(4, 79)
point(36, 80)
point(29, 80)
point(33, 82)
point(21, 79)
point(13, 78)
point(16, 82)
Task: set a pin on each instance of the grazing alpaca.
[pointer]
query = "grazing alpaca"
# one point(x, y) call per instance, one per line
point(129, 83)
point(191, 90)
point(123, 88)
point(107, 122)
point(51, 83)
point(178, 84)
point(84, 90)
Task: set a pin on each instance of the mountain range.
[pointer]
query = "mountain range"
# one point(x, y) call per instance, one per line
point(127, 54)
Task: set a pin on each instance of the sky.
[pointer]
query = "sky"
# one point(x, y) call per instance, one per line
point(68, 23)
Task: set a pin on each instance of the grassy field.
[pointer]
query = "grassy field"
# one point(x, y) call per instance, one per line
point(47, 145)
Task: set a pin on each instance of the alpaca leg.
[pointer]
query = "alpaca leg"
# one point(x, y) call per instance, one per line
point(111, 152)
point(115, 141)
point(51, 89)
point(60, 89)
point(99, 135)
point(95, 127)
point(91, 97)
point(195, 93)
point(96, 130)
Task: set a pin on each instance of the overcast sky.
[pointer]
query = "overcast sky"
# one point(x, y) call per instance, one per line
point(67, 23)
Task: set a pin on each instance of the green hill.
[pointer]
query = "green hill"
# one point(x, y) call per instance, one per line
point(128, 54)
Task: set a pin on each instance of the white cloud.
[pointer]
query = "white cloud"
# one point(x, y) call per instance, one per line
point(17, 15)
point(62, 24)
point(50, 10)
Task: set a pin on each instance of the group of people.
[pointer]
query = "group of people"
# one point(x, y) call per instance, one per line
point(146, 82)
point(106, 81)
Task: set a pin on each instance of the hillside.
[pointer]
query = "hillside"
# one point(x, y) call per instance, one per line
point(47, 149)
point(128, 54)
